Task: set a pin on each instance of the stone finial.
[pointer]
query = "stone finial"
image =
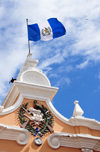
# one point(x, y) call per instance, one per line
point(28, 65)
point(78, 112)
point(30, 62)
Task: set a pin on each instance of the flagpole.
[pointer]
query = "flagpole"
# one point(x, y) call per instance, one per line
point(28, 40)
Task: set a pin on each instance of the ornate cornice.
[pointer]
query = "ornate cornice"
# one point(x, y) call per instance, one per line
point(86, 143)
point(30, 91)
point(20, 135)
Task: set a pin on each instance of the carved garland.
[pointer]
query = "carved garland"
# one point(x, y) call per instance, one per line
point(38, 120)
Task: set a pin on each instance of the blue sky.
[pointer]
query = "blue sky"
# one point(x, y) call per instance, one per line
point(71, 62)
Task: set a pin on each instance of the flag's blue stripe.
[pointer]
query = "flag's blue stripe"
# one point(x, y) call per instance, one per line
point(57, 27)
point(33, 32)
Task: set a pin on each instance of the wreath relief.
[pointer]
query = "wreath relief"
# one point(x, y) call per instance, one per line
point(37, 119)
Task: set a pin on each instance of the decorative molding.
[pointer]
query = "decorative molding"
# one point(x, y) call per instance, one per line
point(29, 91)
point(45, 92)
point(11, 97)
point(8, 98)
point(13, 107)
point(75, 121)
point(1, 108)
point(86, 150)
point(85, 142)
point(20, 135)
point(82, 121)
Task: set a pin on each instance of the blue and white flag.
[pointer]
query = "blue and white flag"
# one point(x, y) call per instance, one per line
point(45, 31)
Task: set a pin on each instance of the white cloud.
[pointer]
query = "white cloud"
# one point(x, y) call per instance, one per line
point(81, 19)
point(67, 80)
point(63, 81)
point(56, 59)
point(82, 65)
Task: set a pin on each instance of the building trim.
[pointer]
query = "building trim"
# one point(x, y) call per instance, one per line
point(75, 121)
point(20, 135)
point(82, 141)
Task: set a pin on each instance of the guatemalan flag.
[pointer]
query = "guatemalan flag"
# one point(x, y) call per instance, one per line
point(45, 31)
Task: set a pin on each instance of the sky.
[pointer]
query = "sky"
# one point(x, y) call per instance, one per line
point(71, 62)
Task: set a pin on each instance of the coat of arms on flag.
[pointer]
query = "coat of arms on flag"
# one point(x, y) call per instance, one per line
point(46, 31)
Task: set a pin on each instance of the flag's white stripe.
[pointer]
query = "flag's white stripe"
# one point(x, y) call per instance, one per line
point(42, 26)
